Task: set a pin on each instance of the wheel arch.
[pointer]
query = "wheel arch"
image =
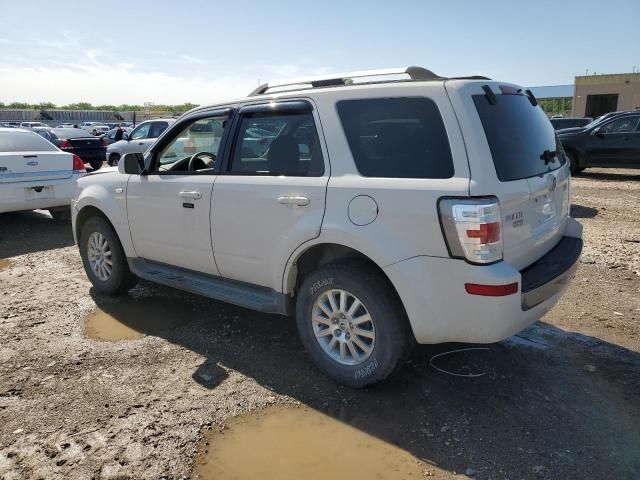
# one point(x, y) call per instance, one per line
point(95, 201)
point(319, 254)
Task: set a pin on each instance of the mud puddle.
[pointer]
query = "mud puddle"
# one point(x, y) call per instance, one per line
point(130, 318)
point(5, 263)
point(299, 443)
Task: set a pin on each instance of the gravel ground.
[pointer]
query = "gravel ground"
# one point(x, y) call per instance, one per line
point(560, 400)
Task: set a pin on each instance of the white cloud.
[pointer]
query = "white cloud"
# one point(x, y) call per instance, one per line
point(191, 59)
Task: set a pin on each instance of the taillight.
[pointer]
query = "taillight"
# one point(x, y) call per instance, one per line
point(66, 145)
point(472, 228)
point(103, 142)
point(78, 165)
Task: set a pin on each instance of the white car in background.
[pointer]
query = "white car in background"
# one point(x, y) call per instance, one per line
point(32, 124)
point(34, 173)
point(95, 128)
point(139, 139)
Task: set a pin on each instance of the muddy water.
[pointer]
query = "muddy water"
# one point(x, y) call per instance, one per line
point(299, 443)
point(5, 263)
point(130, 318)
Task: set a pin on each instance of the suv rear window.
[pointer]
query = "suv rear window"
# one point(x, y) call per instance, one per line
point(519, 134)
point(397, 137)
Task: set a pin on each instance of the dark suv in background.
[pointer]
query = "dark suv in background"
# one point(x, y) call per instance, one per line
point(613, 141)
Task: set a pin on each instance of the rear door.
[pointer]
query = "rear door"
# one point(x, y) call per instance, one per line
point(270, 196)
point(514, 154)
point(26, 157)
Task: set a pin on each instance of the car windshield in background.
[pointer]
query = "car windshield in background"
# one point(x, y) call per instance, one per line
point(71, 133)
point(24, 142)
point(522, 140)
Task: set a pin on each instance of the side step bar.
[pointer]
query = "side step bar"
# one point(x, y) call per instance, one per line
point(255, 298)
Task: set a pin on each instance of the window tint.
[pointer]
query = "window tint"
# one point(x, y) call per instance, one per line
point(204, 135)
point(272, 144)
point(141, 132)
point(518, 134)
point(24, 142)
point(621, 125)
point(157, 128)
point(397, 137)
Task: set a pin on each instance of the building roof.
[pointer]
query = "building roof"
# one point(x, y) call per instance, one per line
point(553, 91)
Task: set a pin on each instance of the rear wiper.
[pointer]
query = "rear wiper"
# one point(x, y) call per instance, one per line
point(548, 156)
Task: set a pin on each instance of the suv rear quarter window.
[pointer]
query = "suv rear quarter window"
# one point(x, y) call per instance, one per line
point(397, 137)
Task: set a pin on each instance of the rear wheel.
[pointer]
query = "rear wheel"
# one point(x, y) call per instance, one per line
point(574, 167)
point(103, 258)
point(96, 164)
point(352, 324)
point(61, 214)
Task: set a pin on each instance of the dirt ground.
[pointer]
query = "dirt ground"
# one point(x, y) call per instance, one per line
point(560, 400)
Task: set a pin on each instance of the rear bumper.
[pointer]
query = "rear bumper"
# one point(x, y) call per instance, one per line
point(432, 290)
point(21, 195)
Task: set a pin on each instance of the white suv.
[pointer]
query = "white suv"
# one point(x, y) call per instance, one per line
point(94, 128)
point(138, 140)
point(378, 210)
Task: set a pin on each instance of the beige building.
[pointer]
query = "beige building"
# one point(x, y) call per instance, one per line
point(595, 95)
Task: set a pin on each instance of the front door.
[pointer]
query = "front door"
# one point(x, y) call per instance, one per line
point(615, 143)
point(169, 208)
point(270, 196)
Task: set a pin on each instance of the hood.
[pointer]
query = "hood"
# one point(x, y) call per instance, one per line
point(102, 170)
point(570, 131)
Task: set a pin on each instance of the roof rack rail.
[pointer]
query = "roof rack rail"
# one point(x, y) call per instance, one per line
point(332, 80)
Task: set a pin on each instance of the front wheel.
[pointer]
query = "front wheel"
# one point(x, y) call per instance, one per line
point(352, 324)
point(114, 158)
point(104, 259)
point(96, 164)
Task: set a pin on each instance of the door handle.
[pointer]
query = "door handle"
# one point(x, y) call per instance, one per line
point(294, 200)
point(191, 194)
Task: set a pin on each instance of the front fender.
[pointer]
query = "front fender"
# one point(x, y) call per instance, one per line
point(110, 198)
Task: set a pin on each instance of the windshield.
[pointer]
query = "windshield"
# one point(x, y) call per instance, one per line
point(523, 142)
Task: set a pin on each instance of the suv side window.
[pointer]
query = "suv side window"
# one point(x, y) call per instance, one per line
point(397, 137)
point(141, 132)
point(203, 136)
point(157, 128)
point(621, 125)
point(278, 144)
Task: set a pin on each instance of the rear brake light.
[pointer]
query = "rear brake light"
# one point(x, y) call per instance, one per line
point(472, 228)
point(103, 142)
point(78, 165)
point(66, 145)
point(491, 290)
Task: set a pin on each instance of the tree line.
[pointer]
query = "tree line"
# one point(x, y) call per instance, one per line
point(88, 106)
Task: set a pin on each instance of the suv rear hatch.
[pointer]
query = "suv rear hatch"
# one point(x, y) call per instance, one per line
point(514, 155)
point(27, 157)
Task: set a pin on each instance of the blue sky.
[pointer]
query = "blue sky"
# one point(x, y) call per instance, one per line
point(203, 51)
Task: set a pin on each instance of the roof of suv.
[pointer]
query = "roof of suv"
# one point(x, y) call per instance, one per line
point(344, 80)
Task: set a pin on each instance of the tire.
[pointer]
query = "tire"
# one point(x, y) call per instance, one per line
point(114, 158)
point(573, 162)
point(96, 164)
point(61, 214)
point(120, 279)
point(392, 335)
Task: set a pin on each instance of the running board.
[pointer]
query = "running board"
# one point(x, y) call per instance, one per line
point(241, 294)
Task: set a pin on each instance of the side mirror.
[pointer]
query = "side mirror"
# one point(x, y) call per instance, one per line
point(125, 136)
point(597, 132)
point(131, 163)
